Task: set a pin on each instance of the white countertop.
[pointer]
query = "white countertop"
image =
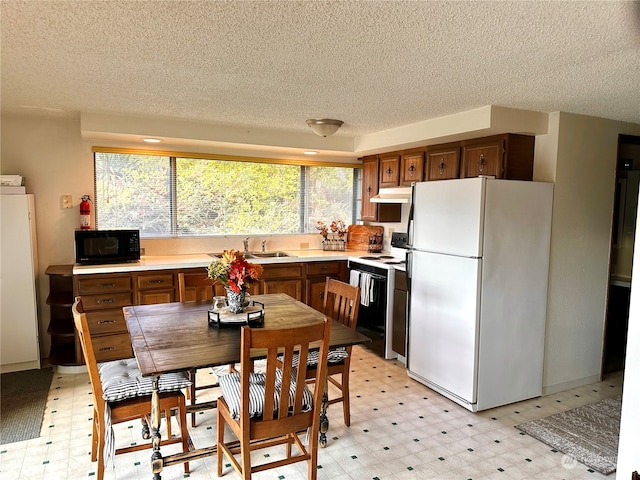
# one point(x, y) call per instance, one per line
point(162, 262)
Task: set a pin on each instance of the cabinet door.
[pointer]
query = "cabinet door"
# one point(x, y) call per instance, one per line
point(483, 159)
point(443, 162)
point(292, 287)
point(369, 210)
point(159, 295)
point(411, 167)
point(389, 170)
point(315, 292)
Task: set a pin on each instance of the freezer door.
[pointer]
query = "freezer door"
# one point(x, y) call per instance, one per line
point(448, 216)
point(443, 321)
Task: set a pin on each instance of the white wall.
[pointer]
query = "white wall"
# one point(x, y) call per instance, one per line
point(580, 248)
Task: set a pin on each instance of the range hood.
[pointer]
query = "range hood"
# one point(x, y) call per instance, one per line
point(393, 195)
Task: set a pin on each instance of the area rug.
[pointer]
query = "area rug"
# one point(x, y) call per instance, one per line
point(589, 433)
point(23, 398)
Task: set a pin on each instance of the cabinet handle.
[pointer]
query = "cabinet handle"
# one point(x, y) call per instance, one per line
point(106, 349)
point(441, 166)
point(411, 169)
point(106, 285)
point(323, 268)
point(481, 162)
point(103, 322)
point(369, 191)
point(107, 300)
point(156, 281)
point(321, 295)
point(389, 171)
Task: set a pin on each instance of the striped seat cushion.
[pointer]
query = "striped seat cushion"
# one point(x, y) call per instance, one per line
point(121, 379)
point(230, 387)
point(335, 356)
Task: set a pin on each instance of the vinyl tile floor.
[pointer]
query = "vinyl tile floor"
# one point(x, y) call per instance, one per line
point(399, 429)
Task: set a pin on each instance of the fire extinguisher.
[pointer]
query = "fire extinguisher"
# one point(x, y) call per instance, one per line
point(85, 213)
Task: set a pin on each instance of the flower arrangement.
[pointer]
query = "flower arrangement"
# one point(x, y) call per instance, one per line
point(324, 231)
point(233, 270)
point(338, 226)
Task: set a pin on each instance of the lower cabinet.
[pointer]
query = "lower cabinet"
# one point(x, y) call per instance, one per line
point(103, 297)
point(316, 277)
point(155, 287)
point(283, 278)
point(399, 324)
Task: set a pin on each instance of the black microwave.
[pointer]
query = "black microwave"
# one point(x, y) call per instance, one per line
point(107, 246)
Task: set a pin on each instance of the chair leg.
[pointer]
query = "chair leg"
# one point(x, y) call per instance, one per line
point(167, 418)
point(346, 411)
point(220, 440)
point(184, 434)
point(94, 437)
point(192, 394)
point(100, 452)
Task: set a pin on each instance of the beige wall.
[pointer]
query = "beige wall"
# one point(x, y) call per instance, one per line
point(580, 247)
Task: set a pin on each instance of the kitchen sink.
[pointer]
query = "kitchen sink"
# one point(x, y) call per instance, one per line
point(270, 254)
point(257, 255)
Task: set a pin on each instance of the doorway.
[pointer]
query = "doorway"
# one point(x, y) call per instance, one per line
point(622, 244)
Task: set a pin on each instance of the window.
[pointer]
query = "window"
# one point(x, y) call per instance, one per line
point(178, 196)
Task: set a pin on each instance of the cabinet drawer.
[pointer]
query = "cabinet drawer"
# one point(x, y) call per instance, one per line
point(108, 300)
point(90, 285)
point(112, 347)
point(106, 322)
point(289, 270)
point(155, 281)
point(323, 268)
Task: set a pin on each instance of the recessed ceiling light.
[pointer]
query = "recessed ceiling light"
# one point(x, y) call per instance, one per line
point(310, 153)
point(152, 140)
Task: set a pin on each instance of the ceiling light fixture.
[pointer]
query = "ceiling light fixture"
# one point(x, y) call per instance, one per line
point(152, 140)
point(310, 153)
point(324, 126)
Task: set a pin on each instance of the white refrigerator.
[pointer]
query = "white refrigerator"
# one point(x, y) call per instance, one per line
point(478, 264)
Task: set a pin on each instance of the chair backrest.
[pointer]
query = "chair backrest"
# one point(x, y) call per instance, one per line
point(341, 302)
point(82, 328)
point(284, 348)
point(195, 286)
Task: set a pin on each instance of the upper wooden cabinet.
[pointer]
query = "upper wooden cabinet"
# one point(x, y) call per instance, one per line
point(369, 210)
point(443, 162)
point(411, 167)
point(508, 156)
point(389, 170)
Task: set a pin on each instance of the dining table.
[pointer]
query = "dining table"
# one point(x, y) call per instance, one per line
point(180, 337)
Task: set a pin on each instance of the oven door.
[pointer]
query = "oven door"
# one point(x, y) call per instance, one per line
point(372, 315)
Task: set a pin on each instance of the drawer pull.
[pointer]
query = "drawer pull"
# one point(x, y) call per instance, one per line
point(106, 349)
point(156, 281)
point(324, 268)
point(107, 300)
point(102, 322)
point(106, 285)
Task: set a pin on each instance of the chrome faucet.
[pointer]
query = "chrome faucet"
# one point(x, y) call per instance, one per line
point(264, 246)
point(246, 245)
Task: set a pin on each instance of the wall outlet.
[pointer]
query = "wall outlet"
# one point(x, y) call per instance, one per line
point(66, 201)
point(304, 245)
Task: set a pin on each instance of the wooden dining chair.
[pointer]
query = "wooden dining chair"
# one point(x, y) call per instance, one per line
point(196, 287)
point(122, 394)
point(341, 302)
point(276, 407)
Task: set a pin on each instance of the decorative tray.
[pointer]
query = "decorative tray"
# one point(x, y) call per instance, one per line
point(252, 315)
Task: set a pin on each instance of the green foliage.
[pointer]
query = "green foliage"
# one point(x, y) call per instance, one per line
point(214, 197)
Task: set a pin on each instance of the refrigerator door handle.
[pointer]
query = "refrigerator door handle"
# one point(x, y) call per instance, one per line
point(409, 255)
point(410, 219)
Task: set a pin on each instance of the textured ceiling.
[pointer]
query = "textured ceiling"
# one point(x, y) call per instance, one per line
point(273, 64)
